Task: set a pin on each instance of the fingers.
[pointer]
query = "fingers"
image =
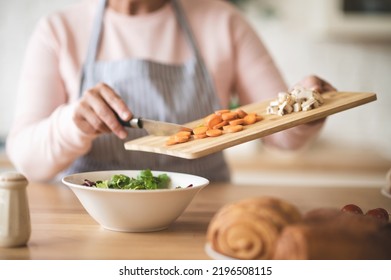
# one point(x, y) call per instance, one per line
point(115, 102)
point(315, 83)
point(96, 111)
point(88, 120)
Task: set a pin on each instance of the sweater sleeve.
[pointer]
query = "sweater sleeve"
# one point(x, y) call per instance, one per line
point(43, 139)
point(257, 76)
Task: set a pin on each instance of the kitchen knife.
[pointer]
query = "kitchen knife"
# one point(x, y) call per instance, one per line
point(157, 128)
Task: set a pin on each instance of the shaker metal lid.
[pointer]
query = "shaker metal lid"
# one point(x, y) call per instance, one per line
point(12, 176)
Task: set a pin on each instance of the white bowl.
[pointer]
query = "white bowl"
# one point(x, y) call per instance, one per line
point(135, 210)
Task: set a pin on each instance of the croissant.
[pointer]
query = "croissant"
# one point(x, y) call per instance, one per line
point(329, 234)
point(249, 229)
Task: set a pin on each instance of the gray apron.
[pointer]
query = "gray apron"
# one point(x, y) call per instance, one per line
point(172, 93)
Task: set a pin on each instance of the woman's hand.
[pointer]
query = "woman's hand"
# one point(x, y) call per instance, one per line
point(316, 83)
point(94, 113)
point(299, 136)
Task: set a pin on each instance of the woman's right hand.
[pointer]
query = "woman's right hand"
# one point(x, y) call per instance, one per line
point(94, 113)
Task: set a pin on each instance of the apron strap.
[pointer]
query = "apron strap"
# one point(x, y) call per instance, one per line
point(94, 42)
point(184, 24)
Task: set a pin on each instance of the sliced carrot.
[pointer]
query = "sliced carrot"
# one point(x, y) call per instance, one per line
point(214, 132)
point(259, 118)
point(214, 124)
point(236, 122)
point(250, 119)
point(220, 125)
point(200, 130)
point(171, 141)
point(200, 136)
point(213, 120)
point(241, 113)
point(220, 112)
point(181, 139)
point(233, 128)
point(183, 133)
point(229, 116)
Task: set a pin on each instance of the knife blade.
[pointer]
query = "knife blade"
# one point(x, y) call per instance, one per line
point(157, 128)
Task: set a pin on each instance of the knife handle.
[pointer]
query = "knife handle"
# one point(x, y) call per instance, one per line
point(134, 122)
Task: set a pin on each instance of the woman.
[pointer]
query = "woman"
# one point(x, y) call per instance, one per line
point(174, 61)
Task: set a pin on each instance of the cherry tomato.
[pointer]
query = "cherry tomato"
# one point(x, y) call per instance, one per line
point(352, 208)
point(379, 213)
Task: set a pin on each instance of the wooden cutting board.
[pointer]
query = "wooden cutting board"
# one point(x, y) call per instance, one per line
point(334, 102)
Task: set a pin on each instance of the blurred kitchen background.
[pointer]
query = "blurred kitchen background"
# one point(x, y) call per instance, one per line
point(347, 42)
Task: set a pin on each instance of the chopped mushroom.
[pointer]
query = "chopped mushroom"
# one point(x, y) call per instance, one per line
point(299, 99)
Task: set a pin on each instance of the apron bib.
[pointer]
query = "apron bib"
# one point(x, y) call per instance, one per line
point(165, 92)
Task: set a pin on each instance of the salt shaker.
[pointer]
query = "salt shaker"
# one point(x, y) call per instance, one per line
point(15, 225)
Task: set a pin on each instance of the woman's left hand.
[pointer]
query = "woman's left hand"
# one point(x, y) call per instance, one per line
point(298, 136)
point(315, 83)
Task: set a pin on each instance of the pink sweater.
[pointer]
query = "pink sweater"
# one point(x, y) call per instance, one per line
point(44, 140)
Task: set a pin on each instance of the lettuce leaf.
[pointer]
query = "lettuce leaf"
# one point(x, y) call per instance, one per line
point(144, 181)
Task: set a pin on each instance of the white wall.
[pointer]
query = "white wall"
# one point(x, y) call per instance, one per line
point(295, 33)
point(17, 21)
point(287, 29)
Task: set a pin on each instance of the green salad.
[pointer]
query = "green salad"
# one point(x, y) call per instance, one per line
point(143, 181)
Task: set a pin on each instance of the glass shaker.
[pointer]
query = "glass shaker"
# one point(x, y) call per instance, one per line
point(15, 225)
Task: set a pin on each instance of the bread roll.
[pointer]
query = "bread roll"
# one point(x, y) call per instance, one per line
point(329, 234)
point(249, 229)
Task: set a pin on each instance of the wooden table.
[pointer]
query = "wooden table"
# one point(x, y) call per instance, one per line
point(62, 230)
